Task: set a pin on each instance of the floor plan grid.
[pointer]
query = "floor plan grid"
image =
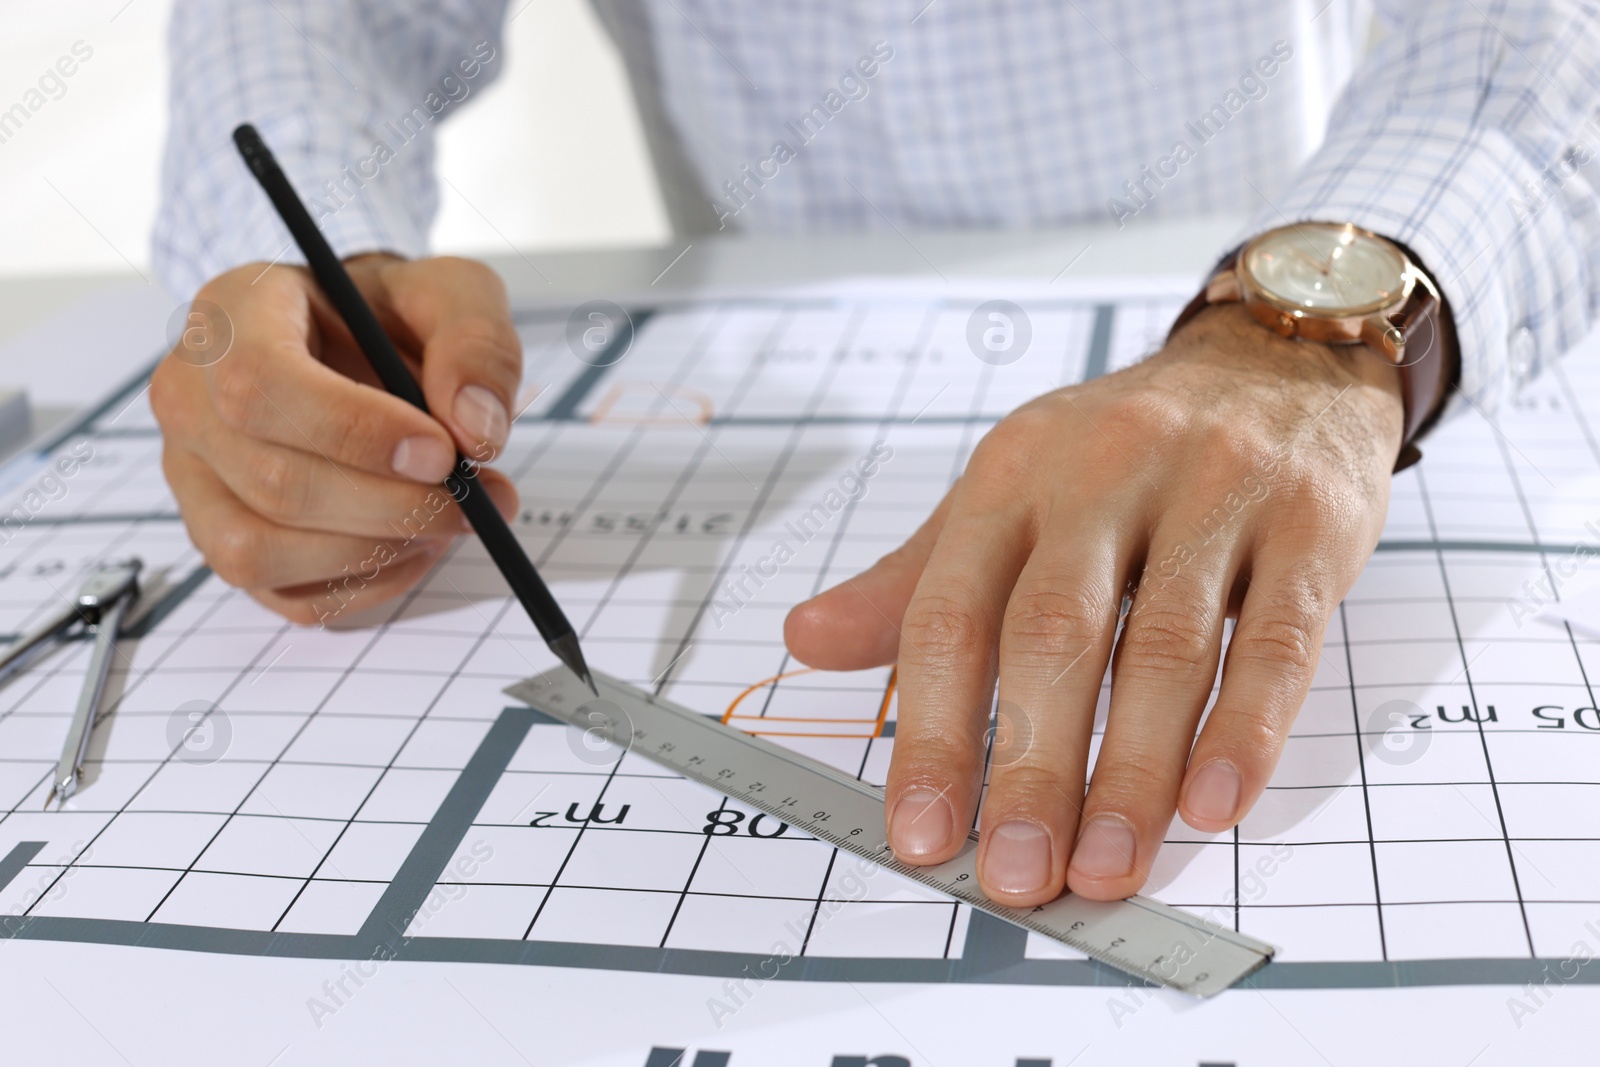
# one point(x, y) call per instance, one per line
point(261, 788)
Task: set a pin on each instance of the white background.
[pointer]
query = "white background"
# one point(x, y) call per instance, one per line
point(80, 180)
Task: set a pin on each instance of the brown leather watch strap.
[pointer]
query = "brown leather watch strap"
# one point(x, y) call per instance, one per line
point(1427, 371)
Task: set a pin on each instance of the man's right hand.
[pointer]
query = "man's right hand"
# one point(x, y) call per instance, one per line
point(300, 479)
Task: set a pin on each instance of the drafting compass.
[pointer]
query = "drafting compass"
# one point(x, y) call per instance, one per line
point(99, 608)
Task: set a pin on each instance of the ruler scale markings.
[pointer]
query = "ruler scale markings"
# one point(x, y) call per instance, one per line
point(1143, 937)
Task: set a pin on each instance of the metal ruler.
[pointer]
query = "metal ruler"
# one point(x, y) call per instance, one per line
point(1143, 937)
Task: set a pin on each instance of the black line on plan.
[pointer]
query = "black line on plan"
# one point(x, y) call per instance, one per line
point(11, 865)
point(123, 517)
point(1483, 737)
point(1366, 790)
point(386, 926)
point(991, 945)
point(13, 862)
point(566, 405)
point(1478, 546)
point(1305, 975)
point(1094, 364)
point(142, 624)
point(115, 402)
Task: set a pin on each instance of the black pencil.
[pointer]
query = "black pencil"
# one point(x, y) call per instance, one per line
point(462, 484)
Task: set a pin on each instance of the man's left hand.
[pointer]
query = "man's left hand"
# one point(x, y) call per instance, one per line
point(1234, 473)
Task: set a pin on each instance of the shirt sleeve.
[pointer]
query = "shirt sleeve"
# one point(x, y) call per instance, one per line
point(347, 93)
point(1469, 136)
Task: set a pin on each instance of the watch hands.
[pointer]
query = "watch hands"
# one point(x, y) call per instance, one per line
point(1318, 267)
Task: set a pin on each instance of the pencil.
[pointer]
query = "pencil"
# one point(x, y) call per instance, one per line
point(462, 484)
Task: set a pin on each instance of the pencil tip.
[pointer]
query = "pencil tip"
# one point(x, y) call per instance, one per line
point(567, 651)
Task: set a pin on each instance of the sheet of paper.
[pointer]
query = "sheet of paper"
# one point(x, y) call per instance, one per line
point(355, 793)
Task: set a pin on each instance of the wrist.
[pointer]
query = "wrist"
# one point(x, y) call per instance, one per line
point(1297, 378)
point(1231, 326)
point(1348, 288)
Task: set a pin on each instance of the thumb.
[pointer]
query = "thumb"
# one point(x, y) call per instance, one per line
point(471, 354)
point(856, 624)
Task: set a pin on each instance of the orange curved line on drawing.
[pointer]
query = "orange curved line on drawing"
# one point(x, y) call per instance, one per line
point(800, 733)
point(761, 685)
point(613, 396)
point(877, 723)
point(787, 718)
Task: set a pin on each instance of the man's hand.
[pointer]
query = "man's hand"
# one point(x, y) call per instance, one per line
point(299, 478)
point(1235, 472)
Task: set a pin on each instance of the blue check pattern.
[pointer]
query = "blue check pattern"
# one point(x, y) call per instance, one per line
point(1467, 132)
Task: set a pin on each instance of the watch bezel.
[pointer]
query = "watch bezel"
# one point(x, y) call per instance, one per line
point(1254, 291)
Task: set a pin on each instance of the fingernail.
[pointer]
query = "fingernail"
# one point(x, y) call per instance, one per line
point(1214, 793)
point(1017, 859)
point(480, 413)
point(1105, 849)
point(922, 823)
point(422, 459)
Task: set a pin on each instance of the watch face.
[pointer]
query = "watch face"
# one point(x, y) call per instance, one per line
point(1326, 269)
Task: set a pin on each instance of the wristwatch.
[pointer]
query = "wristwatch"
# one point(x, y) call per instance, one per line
point(1342, 285)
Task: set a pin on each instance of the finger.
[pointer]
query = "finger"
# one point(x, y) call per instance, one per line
point(1271, 660)
point(471, 354)
point(856, 624)
point(322, 605)
point(247, 551)
point(272, 387)
point(947, 676)
point(1162, 673)
point(301, 490)
point(1057, 636)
